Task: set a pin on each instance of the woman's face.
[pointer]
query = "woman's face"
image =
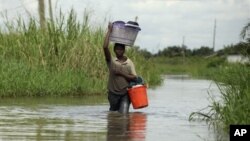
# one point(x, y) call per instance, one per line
point(119, 51)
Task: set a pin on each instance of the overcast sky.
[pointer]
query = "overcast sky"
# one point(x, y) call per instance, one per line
point(163, 22)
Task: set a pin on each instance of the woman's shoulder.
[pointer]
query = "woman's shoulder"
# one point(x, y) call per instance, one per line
point(129, 61)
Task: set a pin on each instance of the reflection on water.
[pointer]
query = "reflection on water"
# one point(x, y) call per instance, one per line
point(70, 123)
point(44, 123)
point(88, 118)
point(130, 127)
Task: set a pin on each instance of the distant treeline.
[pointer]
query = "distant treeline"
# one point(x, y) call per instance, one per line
point(177, 51)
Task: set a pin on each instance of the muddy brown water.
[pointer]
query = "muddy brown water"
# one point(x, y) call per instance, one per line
point(88, 119)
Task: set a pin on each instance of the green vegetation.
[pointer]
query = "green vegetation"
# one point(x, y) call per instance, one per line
point(232, 79)
point(234, 84)
point(198, 67)
point(64, 59)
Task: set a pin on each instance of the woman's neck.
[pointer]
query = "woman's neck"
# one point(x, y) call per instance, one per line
point(122, 58)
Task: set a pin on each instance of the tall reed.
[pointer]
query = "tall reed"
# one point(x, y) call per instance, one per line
point(65, 58)
point(234, 84)
point(233, 107)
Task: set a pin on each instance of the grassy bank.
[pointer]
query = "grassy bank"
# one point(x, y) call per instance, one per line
point(64, 59)
point(232, 79)
point(234, 83)
point(198, 67)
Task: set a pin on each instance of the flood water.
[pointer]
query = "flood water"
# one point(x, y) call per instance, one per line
point(88, 119)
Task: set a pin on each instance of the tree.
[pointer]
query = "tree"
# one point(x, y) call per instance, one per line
point(174, 51)
point(245, 30)
point(203, 51)
point(145, 53)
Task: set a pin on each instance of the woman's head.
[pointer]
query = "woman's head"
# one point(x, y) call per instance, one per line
point(119, 49)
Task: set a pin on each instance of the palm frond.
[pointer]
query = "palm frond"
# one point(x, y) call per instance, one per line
point(244, 30)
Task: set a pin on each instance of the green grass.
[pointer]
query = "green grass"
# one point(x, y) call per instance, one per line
point(198, 67)
point(233, 81)
point(234, 84)
point(64, 59)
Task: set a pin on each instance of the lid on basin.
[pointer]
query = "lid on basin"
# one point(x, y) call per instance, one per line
point(133, 24)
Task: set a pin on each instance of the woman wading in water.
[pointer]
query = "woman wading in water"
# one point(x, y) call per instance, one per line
point(121, 73)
